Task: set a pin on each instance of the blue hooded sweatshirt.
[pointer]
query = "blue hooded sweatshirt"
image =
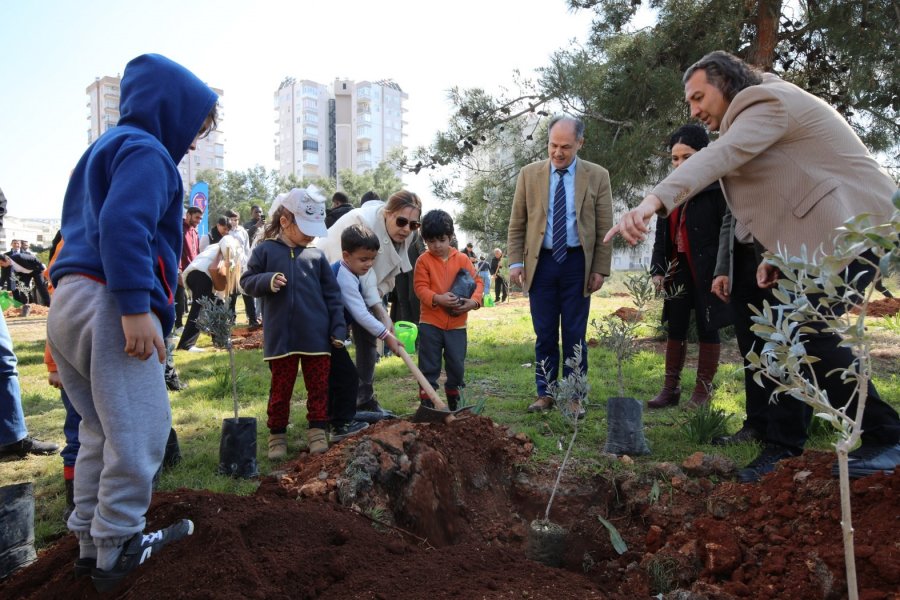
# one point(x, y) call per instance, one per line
point(122, 214)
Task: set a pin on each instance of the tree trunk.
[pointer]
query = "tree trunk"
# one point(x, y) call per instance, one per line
point(762, 51)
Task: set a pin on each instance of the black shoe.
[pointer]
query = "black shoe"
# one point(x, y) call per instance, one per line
point(175, 384)
point(345, 430)
point(254, 327)
point(137, 550)
point(84, 566)
point(744, 434)
point(765, 463)
point(26, 446)
point(868, 460)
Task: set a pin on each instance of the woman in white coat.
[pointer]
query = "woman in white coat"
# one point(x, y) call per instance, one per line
point(393, 222)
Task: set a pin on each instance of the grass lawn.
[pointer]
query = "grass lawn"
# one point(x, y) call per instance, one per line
point(499, 370)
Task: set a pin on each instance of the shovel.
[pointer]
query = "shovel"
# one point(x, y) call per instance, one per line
point(425, 414)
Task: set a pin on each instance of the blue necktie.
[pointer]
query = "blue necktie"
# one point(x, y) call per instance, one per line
point(560, 244)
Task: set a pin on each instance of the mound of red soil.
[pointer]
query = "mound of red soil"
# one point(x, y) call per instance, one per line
point(885, 307)
point(36, 310)
point(433, 511)
point(244, 339)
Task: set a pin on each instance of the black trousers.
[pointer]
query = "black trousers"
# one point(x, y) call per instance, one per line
point(343, 383)
point(787, 429)
point(201, 286)
point(180, 305)
point(678, 310)
point(789, 419)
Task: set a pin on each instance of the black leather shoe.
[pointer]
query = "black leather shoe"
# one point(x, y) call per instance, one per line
point(871, 459)
point(765, 463)
point(744, 434)
point(26, 446)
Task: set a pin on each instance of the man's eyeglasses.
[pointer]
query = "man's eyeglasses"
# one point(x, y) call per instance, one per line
point(403, 222)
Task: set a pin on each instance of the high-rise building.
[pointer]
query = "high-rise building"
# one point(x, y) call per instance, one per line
point(103, 104)
point(322, 130)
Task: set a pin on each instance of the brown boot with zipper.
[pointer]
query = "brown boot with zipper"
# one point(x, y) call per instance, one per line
point(676, 351)
point(707, 365)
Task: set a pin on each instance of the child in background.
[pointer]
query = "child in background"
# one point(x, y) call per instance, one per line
point(304, 313)
point(442, 326)
point(113, 306)
point(359, 247)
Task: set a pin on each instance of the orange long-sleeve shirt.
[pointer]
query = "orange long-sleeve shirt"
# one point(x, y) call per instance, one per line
point(434, 276)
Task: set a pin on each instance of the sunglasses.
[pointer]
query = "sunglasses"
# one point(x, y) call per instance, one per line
point(403, 222)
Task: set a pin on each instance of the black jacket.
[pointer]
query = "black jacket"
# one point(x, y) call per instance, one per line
point(333, 214)
point(703, 221)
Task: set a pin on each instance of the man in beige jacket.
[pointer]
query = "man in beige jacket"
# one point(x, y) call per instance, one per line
point(792, 170)
point(561, 209)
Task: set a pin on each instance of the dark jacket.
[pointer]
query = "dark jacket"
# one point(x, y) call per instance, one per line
point(122, 213)
point(703, 221)
point(333, 214)
point(303, 316)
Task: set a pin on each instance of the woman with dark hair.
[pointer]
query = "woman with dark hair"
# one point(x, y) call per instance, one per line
point(393, 222)
point(684, 259)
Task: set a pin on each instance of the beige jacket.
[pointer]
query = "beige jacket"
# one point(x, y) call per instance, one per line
point(528, 220)
point(791, 167)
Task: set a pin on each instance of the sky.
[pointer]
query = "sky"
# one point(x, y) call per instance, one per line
point(52, 50)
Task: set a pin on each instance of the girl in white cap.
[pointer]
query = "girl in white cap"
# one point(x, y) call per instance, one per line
point(304, 313)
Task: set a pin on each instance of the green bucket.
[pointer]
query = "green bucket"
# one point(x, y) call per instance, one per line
point(6, 300)
point(488, 301)
point(407, 332)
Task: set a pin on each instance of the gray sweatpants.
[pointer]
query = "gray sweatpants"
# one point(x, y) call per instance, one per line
point(124, 408)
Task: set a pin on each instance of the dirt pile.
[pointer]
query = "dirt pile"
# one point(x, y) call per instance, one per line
point(432, 511)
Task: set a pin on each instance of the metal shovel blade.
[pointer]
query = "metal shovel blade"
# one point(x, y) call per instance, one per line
point(427, 414)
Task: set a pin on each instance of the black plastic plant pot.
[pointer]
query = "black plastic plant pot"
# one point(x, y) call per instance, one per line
point(625, 427)
point(546, 542)
point(237, 449)
point(17, 532)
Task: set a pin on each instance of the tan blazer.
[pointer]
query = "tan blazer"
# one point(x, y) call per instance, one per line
point(792, 169)
point(593, 209)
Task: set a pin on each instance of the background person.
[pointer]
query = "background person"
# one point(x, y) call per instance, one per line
point(501, 288)
point(340, 206)
point(686, 246)
point(556, 251)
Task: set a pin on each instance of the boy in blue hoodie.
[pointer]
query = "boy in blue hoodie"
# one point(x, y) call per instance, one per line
point(113, 307)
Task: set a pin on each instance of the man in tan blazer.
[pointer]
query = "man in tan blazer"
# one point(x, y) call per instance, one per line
point(792, 170)
point(561, 210)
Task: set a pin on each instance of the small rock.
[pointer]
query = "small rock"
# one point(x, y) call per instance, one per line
point(626, 460)
point(313, 488)
point(522, 437)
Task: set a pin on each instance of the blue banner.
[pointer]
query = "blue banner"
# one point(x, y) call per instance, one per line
point(200, 199)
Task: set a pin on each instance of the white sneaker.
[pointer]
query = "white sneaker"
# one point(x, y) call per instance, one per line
point(196, 349)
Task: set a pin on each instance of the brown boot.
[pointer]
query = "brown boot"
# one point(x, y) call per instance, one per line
point(676, 351)
point(707, 365)
point(316, 441)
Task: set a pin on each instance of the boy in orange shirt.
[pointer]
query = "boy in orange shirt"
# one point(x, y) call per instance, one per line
point(442, 325)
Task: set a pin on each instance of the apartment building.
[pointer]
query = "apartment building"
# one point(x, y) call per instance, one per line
point(103, 105)
point(323, 129)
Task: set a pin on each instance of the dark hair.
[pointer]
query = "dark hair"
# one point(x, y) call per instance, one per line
point(579, 124)
point(689, 135)
point(256, 207)
point(370, 195)
point(211, 122)
point(359, 237)
point(231, 214)
point(402, 199)
point(193, 210)
point(224, 222)
point(725, 71)
point(273, 227)
point(340, 198)
point(436, 223)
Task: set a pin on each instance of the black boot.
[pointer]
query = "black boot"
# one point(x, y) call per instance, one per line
point(452, 398)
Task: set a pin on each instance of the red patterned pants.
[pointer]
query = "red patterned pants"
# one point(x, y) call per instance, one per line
point(284, 374)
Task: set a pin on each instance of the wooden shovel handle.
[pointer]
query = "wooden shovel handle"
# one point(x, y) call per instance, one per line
point(438, 403)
